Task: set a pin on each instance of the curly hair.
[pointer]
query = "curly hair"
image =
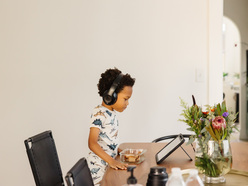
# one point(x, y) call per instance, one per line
point(108, 77)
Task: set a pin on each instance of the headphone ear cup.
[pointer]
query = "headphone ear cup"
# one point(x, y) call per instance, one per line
point(107, 99)
point(110, 96)
point(114, 98)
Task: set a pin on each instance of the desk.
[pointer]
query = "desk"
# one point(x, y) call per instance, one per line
point(177, 159)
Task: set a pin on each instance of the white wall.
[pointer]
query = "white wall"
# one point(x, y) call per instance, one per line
point(52, 55)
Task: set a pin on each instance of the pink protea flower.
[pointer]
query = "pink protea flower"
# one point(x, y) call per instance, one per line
point(219, 122)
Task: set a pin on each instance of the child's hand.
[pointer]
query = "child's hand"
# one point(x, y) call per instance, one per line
point(117, 165)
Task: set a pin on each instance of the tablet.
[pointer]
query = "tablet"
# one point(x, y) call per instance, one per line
point(169, 148)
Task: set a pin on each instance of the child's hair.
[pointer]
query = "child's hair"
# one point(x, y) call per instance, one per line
point(108, 77)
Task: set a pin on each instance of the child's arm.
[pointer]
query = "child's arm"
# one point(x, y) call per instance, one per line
point(96, 148)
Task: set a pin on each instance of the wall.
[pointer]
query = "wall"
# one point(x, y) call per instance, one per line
point(237, 12)
point(52, 55)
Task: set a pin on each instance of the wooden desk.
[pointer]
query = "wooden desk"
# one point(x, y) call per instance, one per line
point(176, 159)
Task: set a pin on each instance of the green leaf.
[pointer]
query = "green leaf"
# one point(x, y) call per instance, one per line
point(224, 135)
point(190, 129)
point(223, 106)
point(191, 140)
point(211, 132)
point(217, 134)
point(203, 130)
point(207, 139)
point(236, 128)
point(218, 110)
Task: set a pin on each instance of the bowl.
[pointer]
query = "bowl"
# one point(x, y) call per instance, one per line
point(132, 156)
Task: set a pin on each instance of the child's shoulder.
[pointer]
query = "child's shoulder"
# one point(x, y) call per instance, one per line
point(102, 111)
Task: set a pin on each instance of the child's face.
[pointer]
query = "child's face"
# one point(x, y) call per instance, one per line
point(122, 99)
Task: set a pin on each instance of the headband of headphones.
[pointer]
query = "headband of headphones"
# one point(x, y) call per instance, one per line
point(115, 84)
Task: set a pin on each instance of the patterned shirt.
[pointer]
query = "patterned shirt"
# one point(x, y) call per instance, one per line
point(106, 120)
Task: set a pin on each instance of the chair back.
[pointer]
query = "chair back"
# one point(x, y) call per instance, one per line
point(43, 159)
point(79, 174)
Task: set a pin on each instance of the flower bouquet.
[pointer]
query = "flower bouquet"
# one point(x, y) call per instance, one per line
point(212, 129)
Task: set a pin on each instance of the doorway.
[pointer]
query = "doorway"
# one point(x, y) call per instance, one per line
point(231, 64)
point(235, 66)
point(231, 69)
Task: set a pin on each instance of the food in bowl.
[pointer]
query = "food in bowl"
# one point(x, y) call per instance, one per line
point(135, 156)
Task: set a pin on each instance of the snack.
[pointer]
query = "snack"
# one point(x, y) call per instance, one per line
point(131, 158)
point(132, 155)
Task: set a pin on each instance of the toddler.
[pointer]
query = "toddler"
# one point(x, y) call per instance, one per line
point(115, 89)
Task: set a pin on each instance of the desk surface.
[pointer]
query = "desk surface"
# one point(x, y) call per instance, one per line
point(177, 159)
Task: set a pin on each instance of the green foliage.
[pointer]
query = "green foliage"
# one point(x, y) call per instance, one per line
point(225, 74)
point(201, 122)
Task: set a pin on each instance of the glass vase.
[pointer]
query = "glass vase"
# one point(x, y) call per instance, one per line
point(213, 159)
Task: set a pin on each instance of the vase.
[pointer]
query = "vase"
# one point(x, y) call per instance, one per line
point(213, 159)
